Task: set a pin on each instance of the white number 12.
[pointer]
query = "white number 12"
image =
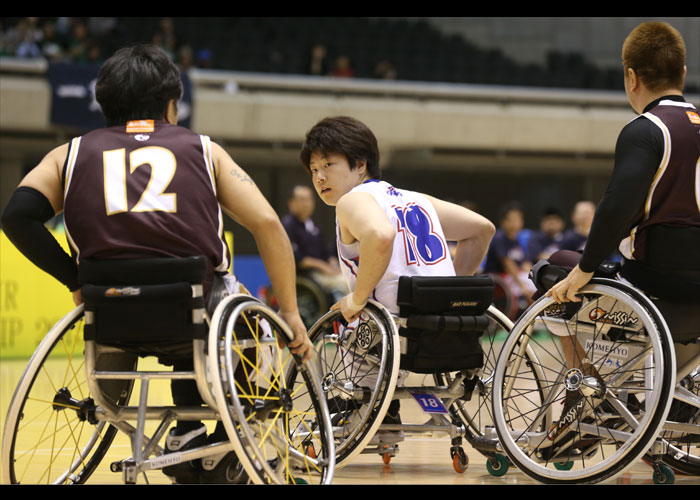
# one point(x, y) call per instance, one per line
point(154, 197)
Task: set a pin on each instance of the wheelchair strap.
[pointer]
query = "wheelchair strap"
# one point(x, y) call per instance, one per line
point(440, 323)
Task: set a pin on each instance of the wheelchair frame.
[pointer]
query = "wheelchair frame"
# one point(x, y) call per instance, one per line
point(372, 435)
point(314, 456)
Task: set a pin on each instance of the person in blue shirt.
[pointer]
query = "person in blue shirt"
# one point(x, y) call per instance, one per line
point(582, 218)
point(545, 242)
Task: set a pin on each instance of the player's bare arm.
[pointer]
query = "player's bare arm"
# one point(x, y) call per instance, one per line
point(361, 219)
point(46, 177)
point(471, 231)
point(242, 200)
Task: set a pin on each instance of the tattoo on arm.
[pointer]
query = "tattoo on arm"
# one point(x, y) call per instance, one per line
point(241, 176)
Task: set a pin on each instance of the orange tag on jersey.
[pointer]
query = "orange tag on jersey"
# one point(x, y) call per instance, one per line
point(693, 117)
point(139, 126)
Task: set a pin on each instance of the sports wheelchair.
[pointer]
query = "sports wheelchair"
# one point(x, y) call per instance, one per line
point(445, 342)
point(72, 402)
point(610, 393)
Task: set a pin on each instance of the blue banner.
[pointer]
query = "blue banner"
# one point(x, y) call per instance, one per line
point(73, 97)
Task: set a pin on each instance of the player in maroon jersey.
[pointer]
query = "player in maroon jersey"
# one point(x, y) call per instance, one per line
point(651, 208)
point(143, 187)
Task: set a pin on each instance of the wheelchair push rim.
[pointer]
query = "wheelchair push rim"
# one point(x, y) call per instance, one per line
point(274, 440)
point(359, 367)
point(533, 450)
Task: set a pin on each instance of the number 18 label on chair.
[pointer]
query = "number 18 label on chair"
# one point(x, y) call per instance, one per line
point(429, 403)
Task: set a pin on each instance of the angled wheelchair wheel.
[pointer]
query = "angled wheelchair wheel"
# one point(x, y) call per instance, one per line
point(51, 435)
point(358, 364)
point(609, 373)
point(474, 409)
point(311, 300)
point(277, 422)
point(682, 429)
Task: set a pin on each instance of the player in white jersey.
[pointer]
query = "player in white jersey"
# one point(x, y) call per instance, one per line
point(384, 232)
point(419, 249)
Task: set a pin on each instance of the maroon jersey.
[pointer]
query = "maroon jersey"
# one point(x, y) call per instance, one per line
point(142, 190)
point(673, 198)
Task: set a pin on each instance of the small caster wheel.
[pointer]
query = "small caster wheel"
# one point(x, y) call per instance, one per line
point(663, 474)
point(563, 465)
point(460, 460)
point(386, 458)
point(497, 465)
point(310, 452)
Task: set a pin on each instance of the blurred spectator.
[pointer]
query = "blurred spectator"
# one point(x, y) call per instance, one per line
point(384, 70)
point(311, 253)
point(51, 43)
point(185, 57)
point(165, 38)
point(22, 40)
point(317, 64)
point(582, 218)
point(342, 68)
point(79, 41)
point(546, 241)
point(93, 54)
point(505, 256)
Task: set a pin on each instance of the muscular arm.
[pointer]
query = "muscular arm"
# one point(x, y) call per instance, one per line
point(638, 155)
point(471, 231)
point(38, 198)
point(242, 200)
point(361, 219)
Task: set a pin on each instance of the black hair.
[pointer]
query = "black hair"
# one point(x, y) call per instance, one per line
point(552, 211)
point(343, 135)
point(137, 83)
point(510, 207)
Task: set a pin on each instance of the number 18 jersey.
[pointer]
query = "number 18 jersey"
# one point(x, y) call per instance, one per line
point(420, 247)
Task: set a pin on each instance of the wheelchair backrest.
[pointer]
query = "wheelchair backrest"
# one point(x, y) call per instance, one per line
point(452, 295)
point(143, 301)
point(445, 318)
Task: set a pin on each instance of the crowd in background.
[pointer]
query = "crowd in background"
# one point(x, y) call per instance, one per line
point(90, 40)
point(369, 48)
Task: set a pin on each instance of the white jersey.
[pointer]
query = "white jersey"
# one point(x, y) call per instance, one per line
point(420, 248)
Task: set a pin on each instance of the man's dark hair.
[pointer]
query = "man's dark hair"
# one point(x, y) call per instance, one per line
point(511, 206)
point(137, 83)
point(343, 135)
point(552, 212)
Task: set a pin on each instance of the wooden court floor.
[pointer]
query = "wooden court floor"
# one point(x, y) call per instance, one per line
point(421, 460)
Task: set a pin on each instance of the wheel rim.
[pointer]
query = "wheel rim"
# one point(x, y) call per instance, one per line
point(275, 439)
point(349, 355)
point(47, 440)
point(607, 455)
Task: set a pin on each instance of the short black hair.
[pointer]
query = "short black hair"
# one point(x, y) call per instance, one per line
point(137, 83)
point(552, 212)
point(343, 135)
point(511, 206)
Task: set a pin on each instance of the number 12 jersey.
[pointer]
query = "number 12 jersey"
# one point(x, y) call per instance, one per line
point(140, 190)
